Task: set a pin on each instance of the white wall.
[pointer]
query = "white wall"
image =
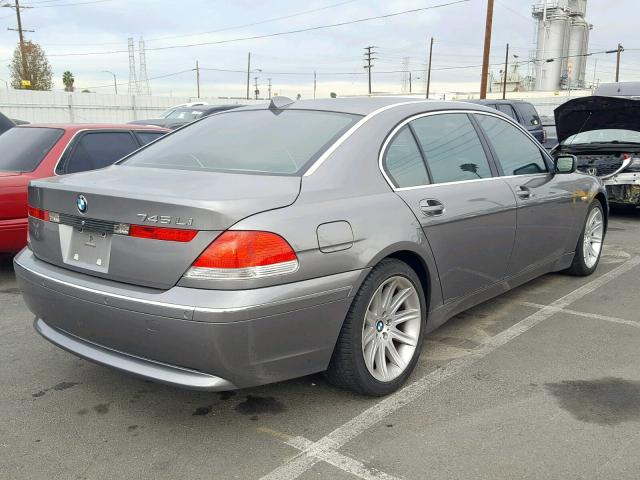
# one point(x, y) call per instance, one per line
point(62, 107)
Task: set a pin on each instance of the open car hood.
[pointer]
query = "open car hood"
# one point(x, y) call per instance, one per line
point(596, 113)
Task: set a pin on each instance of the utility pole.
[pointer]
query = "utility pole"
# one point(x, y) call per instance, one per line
point(198, 77)
point(429, 69)
point(506, 69)
point(368, 58)
point(269, 88)
point(256, 91)
point(315, 85)
point(487, 50)
point(595, 69)
point(20, 31)
point(248, 73)
point(409, 81)
point(618, 52)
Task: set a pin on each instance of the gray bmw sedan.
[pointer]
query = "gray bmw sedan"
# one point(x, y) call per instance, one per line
point(270, 242)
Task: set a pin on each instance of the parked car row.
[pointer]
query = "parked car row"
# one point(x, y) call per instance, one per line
point(182, 115)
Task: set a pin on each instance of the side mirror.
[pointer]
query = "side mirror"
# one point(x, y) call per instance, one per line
point(566, 163)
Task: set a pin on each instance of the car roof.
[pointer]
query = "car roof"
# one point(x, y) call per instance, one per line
point(367, 105)
point(75, 127)
point(486, 101)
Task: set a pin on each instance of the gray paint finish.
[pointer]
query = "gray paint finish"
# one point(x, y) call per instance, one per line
point(341, 218)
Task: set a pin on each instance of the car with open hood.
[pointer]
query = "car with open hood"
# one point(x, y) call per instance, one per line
point(275, 241)
point(604, 134)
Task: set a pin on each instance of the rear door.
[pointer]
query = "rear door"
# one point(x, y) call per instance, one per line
point(96, 149)
point(545, 216)
point(439, 167)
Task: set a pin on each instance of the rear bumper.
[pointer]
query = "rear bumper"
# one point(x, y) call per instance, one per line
point(201, 339)
point(13, 234)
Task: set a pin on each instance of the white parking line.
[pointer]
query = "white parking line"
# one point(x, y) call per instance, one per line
point(312, 453)
point(595, 316)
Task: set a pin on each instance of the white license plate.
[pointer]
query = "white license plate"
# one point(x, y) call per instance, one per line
point(87, 249)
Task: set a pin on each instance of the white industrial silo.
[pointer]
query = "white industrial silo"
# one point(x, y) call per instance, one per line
point(562, 40)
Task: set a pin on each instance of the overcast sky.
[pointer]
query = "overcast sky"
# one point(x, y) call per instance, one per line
point(89, 26)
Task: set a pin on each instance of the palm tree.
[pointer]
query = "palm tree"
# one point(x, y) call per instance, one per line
point(67, 79)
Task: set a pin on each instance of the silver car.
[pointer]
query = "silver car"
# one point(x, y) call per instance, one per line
point(271, 242)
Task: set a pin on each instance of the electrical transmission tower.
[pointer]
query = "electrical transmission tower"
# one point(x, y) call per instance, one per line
point(133, 79)
point(143, 86)
point(405, 74)
point(368, 58)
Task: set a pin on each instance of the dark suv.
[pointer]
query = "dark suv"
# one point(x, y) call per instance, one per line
point(522, 112)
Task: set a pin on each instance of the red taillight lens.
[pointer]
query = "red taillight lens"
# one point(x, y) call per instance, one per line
point(39, 214)
point(161, 233)
point(245, 254)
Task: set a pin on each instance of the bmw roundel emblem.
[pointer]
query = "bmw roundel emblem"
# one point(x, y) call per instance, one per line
point(81, 203)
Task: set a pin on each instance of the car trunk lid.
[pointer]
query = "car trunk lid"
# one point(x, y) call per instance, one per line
point(205, 202)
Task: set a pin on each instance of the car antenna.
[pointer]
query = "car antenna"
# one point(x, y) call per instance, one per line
point(279, 102)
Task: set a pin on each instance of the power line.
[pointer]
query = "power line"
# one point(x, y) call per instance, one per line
point(261, 22)
point(269, 35)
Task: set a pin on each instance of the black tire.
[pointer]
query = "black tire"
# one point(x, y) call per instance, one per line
point(347, 367)
point(579, 267)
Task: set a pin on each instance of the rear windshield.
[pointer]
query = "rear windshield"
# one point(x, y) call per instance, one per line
point(251, 141)
point(22, 149)
point(529, 114)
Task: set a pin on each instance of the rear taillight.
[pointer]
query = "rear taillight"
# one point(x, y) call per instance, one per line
point(160, 233)
point(236, 255)
point(39, 214)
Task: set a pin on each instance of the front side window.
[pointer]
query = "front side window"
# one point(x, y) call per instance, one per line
point(98, 150)
point(278, 142)
point(516, 152)
point(23, 148)
point(403, 161)
point(452, 148)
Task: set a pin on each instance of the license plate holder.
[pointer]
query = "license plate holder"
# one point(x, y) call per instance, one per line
point(86, 248)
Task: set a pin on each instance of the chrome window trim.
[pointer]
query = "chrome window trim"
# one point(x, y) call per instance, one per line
point(393, 132)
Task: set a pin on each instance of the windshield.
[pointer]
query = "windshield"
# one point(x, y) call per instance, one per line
point(606, 135)
point(24, 148)
point(258, 141)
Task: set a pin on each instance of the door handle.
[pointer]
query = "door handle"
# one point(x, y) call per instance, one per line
point(524, 192)
point(431, 207)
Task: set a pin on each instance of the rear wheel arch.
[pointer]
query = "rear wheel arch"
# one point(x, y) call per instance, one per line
point(418, 265)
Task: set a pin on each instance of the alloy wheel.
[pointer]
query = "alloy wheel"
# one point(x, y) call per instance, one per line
point(391, 328)
point(593, 234)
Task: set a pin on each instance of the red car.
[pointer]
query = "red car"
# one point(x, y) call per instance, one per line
point(37, 151)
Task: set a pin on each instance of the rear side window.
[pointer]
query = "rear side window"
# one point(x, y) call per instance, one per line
point(99, 150)
point(22, 149)
point(452, 148)
point(279, 142)
point(517, 153)
point(529, 114)
point(147, 137)
point(508, 110)
point(403, 161)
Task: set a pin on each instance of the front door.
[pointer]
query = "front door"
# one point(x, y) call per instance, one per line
point(545, 201)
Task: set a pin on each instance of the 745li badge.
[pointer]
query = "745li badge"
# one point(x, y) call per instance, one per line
point(165, 219)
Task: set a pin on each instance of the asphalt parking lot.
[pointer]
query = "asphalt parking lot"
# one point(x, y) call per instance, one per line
point(543, 382)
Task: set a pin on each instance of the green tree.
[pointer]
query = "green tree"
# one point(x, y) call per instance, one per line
point(67, 80)
point(32, 66)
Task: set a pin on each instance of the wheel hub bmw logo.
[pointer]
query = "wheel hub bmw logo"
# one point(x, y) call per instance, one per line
point(379, 325)
point(81, 203)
